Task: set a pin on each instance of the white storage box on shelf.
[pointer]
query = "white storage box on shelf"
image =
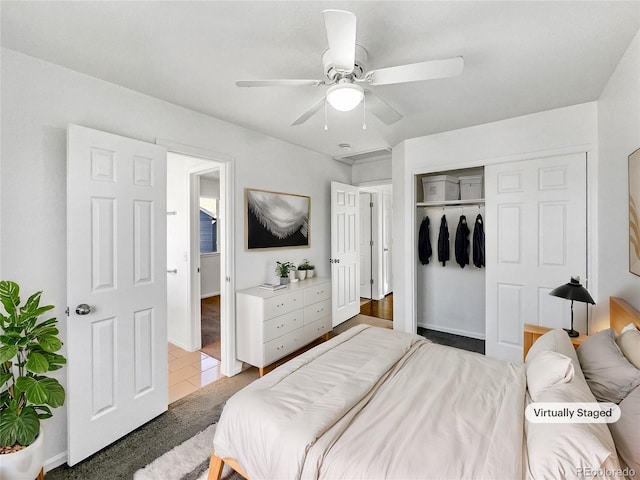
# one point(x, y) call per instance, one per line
point(439, 188)
point(471, 187)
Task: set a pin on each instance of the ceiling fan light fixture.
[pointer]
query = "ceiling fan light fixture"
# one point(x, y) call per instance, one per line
point(345, 96)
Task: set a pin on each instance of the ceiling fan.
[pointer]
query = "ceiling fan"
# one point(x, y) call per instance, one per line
point(344, 66)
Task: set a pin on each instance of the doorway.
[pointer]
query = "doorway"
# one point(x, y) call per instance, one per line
point(376, 286)
point(186, 166)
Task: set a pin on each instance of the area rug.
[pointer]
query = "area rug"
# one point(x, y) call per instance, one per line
point(187, 461)
point(185, 420)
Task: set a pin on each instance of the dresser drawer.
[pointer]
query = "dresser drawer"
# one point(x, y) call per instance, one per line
point(278, 326)
point(282, 346)
point(317, 293)
point(317, 311)
point(317, 329)
point(282, 304)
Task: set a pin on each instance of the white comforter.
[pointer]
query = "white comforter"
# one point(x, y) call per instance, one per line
point(374, 403)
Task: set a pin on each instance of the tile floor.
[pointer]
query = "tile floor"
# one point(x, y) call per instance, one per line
point(189, 371)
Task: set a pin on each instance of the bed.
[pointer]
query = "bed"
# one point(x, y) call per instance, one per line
point(420, 410)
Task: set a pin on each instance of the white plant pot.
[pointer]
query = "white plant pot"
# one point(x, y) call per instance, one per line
point(24, 464)
point(311, 273)
point(301, 274)
point(292, 274)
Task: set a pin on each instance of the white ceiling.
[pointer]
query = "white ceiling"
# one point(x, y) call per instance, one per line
point(520, 57)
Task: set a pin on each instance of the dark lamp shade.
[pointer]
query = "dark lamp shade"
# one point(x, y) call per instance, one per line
point(573, 291)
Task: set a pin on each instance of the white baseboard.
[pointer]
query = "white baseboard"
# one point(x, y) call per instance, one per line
point(181, 345)
point(208, 295)
point(455, 331)
point(55, 461)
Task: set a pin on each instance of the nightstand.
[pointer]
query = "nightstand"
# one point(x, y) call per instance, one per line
point(533, 332)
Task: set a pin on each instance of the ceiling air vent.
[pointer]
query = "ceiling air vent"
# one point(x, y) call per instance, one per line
point(363, 157)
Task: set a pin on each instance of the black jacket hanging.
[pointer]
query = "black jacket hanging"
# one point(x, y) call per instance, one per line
point(424, 242)
point(443, 241)
point(462, 242)
point(478, 242)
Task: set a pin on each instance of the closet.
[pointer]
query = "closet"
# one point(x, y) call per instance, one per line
point(450, 298)
point(535, 223)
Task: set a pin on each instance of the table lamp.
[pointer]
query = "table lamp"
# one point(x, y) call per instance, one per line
point(573, 291)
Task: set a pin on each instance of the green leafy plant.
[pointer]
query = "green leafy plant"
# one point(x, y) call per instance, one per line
point(305, 265)
point(27, 351)
point(283, 268)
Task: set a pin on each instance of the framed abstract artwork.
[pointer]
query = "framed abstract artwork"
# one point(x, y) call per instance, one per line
point(634, 212)
point(276, 220)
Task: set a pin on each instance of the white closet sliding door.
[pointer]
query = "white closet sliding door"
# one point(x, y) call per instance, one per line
point(539, 240)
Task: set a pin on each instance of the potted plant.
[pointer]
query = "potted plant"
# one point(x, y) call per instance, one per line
point(302, 270)
point(282, 270)
point(28, 349)
point(311, 269)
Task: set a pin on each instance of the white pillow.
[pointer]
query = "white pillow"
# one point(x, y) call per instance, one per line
point(629, 343)
point(558, 450)
point(546, 370)
point(631, 327)
point(563, 450)
point(555, 340)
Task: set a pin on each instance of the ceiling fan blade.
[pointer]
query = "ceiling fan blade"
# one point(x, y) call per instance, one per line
point(381, 109)
point(341, 36)
point(415, 72)
point(279, 83)
point(310, 111)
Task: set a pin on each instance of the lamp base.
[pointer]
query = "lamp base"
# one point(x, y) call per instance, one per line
point(571, 332)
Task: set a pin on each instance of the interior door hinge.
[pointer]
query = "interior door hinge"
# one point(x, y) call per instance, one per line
point(371, 281)
point(67, 311)
point(371, 243)
point(370, 204)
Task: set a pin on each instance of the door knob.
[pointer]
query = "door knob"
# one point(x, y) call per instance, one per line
point(83, 309)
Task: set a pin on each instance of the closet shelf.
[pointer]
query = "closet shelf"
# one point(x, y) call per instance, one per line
point(445, 203)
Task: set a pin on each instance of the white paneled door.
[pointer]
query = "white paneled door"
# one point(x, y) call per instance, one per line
point(116, 287)
point(366, 252)
point(345, 256)
point(536, 240)
point(387, 242)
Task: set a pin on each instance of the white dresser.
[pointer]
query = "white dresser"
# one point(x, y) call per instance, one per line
point(271, 325)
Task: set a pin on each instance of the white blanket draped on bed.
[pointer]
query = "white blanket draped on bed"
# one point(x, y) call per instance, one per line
point(374, 403)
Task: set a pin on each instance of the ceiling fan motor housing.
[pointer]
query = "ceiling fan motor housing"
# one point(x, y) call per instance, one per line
point(358, 69)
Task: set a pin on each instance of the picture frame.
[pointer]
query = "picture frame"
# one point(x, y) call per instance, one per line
point(634, 212)
point(276, 220)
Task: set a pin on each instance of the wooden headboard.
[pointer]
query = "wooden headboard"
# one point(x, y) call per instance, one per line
point(621, 314)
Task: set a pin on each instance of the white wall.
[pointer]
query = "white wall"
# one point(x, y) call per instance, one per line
point(179, 168)
point(371, 171)
point(209, 274)
point(564, 130)
point(209, 187)
point(40, 99)
point(618, 137)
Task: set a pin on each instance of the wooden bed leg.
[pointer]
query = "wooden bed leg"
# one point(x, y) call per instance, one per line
point(215, 467)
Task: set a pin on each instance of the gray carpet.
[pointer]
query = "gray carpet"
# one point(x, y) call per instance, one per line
point(185, 418)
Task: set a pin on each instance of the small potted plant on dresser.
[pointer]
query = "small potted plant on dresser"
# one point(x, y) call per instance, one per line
point(282, 270)
point(27, 351)
point(301, 270)
point(311, 269)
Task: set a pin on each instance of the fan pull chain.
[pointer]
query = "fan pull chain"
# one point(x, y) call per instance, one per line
point(326, 127)
point(364, 112)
